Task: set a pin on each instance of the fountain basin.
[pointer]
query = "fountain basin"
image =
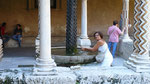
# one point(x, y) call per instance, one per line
point(73, 59)
point(81, 58)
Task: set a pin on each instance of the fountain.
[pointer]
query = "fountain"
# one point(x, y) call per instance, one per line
point(61, 58)
point(81, 57)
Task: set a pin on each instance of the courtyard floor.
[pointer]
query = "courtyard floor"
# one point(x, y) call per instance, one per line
point(25, 57)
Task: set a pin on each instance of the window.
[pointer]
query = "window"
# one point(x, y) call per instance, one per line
point(53, 3)
point(33, 4)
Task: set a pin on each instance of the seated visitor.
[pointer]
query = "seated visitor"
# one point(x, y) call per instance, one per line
point(3, 35)
point(104, 56)
point(18, 34)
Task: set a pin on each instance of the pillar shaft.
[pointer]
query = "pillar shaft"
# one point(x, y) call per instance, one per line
point(45, 28)
point(126, 14)
point(84, 19)
point(136, 27)
point(71, 30)
point(126, 19)
point(144, 24)
point(140, 60)
point(44, 63)
point(83, 39)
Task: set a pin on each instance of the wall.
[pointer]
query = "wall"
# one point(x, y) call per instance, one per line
point(101, 13)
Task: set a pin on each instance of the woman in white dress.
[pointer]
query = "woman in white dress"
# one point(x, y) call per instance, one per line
point(104, 56)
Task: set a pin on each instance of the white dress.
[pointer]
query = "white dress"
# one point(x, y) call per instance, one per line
point(104, 56)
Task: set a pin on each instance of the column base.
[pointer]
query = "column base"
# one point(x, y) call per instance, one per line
point(83, 42)
point(37, 45)
point(126, 38)
point(83, 37)
point(44, 72)
point(123, 50)
point(136, 65)
point(44, 67)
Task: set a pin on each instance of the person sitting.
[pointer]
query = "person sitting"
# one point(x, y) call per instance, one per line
point(18, 34)
point(104, 56)
point(3, 35)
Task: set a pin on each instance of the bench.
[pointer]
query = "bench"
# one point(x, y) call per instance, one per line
point(27, 41)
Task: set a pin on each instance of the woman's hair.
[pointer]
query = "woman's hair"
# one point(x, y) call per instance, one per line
point(18, 25)
point(101, 34)
point(4, 23)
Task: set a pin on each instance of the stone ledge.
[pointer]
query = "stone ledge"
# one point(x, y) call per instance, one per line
point(61, 78)
point(11, 43)
point(27, 41)
point(24, 76)
point(82, 75)
point(112, 75)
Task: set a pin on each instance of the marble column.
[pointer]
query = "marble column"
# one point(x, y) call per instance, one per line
point(125, 25)
point(44, 63)
point(139, 61)
point(83, 39)
point(1, 49)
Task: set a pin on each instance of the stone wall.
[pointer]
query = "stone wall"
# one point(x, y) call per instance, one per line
point(101, 13)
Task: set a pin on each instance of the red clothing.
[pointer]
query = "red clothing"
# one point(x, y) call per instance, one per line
point(2, 31)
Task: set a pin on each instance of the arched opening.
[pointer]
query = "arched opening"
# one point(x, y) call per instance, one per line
point(27, 14)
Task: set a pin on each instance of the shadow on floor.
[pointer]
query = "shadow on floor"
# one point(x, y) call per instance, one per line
point(19, 52)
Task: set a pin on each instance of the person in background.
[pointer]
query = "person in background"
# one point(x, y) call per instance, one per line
point(18, 34)
point(114, 32)
point(3, 35)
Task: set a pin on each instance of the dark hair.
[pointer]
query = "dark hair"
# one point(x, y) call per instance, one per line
point(19, 25)
point(4, 23)
point(101, 34)
point(115, 22)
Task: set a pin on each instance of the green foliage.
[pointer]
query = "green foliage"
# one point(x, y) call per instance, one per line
point(71, 51)
point(1, 81)
point(77, 82)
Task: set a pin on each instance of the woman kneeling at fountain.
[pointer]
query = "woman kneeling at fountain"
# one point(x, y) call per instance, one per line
point(104, 56)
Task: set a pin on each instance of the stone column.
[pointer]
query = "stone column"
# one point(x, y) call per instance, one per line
point(1, 49)
point(140, 60)
point(126, 37)
point(44, 63)
point(37, 44)
point(83, 39)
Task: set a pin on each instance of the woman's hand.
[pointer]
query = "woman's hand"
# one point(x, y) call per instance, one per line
point(82, 48)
